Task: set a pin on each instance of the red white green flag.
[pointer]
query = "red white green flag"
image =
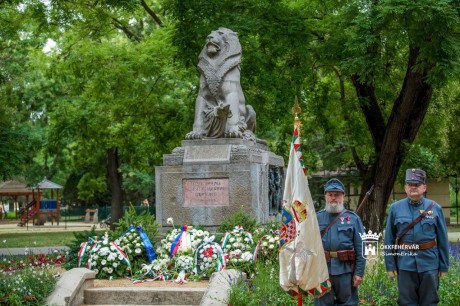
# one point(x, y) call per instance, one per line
point(303, 266)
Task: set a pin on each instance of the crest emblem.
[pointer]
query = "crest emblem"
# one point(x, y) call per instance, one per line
point(370, 245)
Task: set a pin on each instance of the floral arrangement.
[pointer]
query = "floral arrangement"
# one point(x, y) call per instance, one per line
point(184, 252)
point(185, 239)
point(175, 254)
point(237, 246)
point(208, 258)
point(267, 247)
point(180, 252)
point(157, 270)
point(131, 244)
point(107, 259)
point(137, 246)
point(184, 263)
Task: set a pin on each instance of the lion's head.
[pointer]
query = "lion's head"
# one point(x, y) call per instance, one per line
point(221, 43)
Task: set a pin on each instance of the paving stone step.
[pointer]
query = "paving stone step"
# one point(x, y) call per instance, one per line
point(143, 296)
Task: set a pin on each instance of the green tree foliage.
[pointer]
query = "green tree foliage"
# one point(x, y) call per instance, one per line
point(394, 55)
point(376, 82)
point(367, 73)
point(20, 121)
point(120, 102)
point(275, 56)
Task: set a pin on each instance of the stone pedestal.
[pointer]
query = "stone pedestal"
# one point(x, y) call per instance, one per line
point(203, 181)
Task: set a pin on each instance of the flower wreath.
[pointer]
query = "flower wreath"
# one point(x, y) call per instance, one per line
point(237, 246)
point(268, 246)
point(208, 257)
point(105, 257)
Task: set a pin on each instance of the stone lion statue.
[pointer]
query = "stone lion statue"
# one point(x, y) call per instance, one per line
point(220, 108)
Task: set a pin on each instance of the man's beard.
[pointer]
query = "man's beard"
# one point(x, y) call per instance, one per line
point(334, 208)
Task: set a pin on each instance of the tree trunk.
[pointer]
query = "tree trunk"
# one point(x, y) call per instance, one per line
point(390, 145)
point(115, 180)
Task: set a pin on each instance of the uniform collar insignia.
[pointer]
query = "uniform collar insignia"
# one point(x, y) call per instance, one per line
point(415, 202)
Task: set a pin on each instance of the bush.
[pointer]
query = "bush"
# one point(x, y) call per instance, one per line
point(242, 218)
point(145, 220)
point(449, 287)
point(376, 289)
point(263, 289)
point(30, 286)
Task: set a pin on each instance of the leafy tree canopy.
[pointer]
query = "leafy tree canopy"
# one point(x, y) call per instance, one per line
point(376, 82)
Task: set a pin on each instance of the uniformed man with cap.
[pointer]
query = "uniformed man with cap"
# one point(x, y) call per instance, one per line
point(342, 243)
point(416, 244)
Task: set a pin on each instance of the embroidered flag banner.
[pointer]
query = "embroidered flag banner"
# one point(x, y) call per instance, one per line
point(303, 266)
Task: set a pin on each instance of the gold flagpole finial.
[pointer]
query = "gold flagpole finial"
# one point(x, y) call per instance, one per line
point(296, 110)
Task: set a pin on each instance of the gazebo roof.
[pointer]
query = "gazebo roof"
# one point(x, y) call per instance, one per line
point(14, 188)
point(47, 184)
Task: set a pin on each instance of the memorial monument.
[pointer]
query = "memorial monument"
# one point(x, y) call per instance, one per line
point(221, 166)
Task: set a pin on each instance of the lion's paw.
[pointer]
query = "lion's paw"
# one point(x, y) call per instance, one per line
point(194, 135)
point(248, 135)
point(234, 134)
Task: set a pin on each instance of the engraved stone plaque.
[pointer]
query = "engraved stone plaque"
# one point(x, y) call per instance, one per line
point(207, 154)
point(205, 192)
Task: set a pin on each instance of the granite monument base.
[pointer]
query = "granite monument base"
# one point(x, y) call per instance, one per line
point(204, 181)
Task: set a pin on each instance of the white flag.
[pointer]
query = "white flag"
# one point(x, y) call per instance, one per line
point(302, 262)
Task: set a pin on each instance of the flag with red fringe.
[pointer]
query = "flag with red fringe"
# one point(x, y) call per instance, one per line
point(303, 267)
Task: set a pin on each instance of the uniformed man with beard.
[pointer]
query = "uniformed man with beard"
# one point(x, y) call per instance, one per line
point(417, 248)
point(342, 243)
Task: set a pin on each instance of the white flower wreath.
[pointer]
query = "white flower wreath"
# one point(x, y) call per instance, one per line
point(237, 246)
point(208, 257)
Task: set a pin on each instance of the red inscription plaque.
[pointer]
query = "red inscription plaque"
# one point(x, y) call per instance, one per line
point(205, 192)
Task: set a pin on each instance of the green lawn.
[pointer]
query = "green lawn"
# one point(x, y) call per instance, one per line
point(45, 239)
point(453, 228)
point(31, 239)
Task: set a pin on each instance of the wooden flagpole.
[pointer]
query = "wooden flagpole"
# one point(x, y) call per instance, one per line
point(296, 110)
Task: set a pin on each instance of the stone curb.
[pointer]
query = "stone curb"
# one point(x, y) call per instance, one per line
point(34, 251)
point(70, 287)
point(69, 290)
point(218, 290)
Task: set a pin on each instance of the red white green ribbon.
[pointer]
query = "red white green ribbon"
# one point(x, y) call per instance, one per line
point(181, 278)
point(82, 252)
point(84, 247)
point(120, 252)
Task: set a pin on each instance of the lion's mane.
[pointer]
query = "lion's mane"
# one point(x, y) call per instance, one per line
point(214, 68)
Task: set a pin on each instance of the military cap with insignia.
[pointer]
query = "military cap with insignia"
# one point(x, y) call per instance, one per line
point(334, 185)
point(415, 176)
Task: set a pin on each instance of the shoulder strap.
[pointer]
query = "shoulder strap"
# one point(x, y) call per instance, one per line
point(324, 231)
point(416, 220)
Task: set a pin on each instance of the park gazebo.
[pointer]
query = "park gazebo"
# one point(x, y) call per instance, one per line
point(15, 189)
point(52, 207)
